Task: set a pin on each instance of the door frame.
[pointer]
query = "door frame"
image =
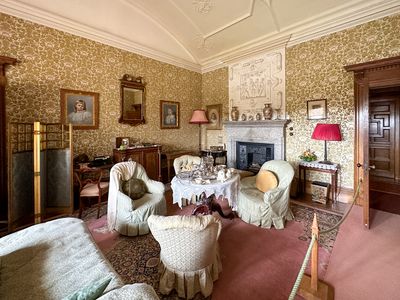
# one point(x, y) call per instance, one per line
point(375, 74)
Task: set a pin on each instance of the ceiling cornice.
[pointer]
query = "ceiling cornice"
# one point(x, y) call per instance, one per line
point(339, 19)
point(336, 20)
point(50, 20)
point(305, 31)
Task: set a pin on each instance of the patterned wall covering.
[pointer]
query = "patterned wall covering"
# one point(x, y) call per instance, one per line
point(315, 70)
point(215, 91)
point(51, 59)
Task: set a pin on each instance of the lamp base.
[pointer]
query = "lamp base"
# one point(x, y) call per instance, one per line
point(325, 162)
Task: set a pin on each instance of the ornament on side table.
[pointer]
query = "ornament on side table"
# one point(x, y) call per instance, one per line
point(308, 156)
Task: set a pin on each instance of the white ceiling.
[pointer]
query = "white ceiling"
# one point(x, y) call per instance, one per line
point(199, 35)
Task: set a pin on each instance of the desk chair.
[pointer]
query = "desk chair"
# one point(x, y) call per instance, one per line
point(90, 186)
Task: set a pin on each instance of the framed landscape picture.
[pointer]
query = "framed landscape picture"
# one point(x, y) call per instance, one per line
point(80, 108)
point(214, 116)
point(169, 114)
point(316, 109)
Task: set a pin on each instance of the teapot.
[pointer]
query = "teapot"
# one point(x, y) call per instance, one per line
point(221, 175)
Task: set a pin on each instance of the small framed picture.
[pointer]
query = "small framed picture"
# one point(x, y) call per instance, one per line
point(169, 114)
point(316, 109)
point(79, 108)
point(214, 116)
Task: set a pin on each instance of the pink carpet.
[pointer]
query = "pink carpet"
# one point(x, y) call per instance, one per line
point(365, 263)
point(257, 263)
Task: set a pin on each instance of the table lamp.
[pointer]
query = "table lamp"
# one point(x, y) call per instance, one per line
point(326, 132)
point(199, 117)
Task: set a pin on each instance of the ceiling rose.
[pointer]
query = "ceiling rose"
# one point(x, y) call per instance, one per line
point(203, 6)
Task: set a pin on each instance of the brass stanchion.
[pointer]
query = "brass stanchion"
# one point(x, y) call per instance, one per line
point(310, 286)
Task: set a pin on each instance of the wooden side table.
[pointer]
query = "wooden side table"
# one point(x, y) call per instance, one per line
point(215, 154)
point(314, 166)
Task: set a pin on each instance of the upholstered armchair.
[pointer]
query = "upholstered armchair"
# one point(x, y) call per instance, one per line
point(185, 163)
point(189, 258)
point(128, 216)
point(272, 206)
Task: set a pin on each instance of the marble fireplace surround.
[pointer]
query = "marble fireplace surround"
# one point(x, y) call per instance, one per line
point(268, 131)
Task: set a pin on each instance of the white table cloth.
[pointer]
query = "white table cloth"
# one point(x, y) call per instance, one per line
point(185, 188)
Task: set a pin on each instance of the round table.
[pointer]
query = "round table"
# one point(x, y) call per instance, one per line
point(186, 188)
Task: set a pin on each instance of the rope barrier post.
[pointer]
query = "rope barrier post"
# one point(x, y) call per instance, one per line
point(310, 286)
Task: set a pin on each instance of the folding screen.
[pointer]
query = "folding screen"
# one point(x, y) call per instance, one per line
point(40, 173)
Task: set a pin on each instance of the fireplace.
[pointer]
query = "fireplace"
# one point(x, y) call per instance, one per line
point(251, 156)
point(266, 132)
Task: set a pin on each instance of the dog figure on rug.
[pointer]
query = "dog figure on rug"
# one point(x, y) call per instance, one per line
point(206, 205)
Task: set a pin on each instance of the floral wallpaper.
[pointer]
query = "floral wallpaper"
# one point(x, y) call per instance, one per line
point(215, 90)
point(50, 59)
point(314, 70)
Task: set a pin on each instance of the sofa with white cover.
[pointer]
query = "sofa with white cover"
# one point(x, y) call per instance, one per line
point(55, 259)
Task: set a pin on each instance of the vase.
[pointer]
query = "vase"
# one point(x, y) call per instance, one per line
point(267, 111)
point(235, 113)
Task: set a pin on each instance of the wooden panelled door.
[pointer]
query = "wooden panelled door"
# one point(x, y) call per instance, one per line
point(375, 129)
point(384, 145)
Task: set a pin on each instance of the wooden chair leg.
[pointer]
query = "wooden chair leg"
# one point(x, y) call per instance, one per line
point(80, 208)
point(98, 207)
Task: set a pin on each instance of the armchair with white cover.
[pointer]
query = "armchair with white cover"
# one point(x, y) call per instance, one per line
point(185, 163)
point(271, 207)
point(189, 257)
point(127, 216)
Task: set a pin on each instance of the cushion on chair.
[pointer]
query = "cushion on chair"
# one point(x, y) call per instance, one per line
point(92, 189)
point(266, 180)
point(135, 188)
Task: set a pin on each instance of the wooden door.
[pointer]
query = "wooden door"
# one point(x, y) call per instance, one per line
point(382, 139)
point(370, 75)
point(361, 173)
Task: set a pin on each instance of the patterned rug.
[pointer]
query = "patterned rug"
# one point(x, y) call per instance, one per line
point(325, 220)
point(136, 258)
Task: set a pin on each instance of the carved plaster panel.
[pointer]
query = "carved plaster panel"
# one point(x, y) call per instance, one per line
point(256, 81)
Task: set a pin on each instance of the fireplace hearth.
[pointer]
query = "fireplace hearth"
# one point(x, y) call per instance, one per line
point(251, 156)
point(267, 132)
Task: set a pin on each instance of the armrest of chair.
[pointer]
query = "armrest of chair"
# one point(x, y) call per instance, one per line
point(273, 195)
point(155, 187)
point(125, 202)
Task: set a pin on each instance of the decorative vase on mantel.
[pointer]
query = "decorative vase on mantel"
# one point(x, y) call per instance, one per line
point(267, 111)
point(235, 113)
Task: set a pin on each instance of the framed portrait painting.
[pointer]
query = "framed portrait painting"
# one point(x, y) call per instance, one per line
point(316, 109)
point(169, 114)
point(214, 116)
point(79, 108)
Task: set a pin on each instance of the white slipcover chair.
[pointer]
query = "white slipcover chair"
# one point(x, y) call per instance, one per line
point(127, 216)
point(271, 207)
point(184, 162)
point(189, 258)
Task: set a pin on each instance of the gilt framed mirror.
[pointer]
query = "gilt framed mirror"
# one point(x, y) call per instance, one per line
point(133, 98)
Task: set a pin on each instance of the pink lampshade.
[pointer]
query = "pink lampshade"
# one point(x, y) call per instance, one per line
point(199, 117)
point(327, 132)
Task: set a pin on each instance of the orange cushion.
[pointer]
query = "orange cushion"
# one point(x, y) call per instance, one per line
point(266, 180)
